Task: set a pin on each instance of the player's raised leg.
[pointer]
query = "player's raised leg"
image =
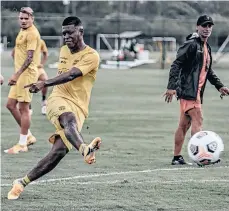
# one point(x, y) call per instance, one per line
point(58, 151)
point(69, 124)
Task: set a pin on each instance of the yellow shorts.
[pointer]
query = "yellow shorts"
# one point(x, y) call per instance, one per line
point(57, 106)
point(41, 71)
point(18, 91)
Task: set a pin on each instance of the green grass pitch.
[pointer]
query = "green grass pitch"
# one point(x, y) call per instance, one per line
point(133, 170)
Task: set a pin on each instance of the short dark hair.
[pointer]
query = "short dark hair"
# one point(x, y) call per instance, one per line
point(72, 20)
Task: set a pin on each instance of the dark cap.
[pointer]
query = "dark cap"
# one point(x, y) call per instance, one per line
point(204, 19)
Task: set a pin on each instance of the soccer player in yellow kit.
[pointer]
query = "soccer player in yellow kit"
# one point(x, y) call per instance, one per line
point(67, 106)
point(42, 75)
point(27, 56)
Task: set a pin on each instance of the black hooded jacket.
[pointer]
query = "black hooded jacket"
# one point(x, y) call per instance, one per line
point(185, 70)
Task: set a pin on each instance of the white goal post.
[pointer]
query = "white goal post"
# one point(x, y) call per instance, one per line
point(104, 38)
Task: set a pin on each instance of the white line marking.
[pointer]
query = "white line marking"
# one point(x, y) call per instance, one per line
point(170, 182)
point(152, 181)
point(125, 173)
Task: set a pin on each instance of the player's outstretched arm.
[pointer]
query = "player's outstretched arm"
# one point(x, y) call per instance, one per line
point(64, 77)
point(60, 79)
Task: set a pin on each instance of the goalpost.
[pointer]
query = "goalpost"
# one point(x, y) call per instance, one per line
point(104, 38)
point(114, 43)
point(111, 45)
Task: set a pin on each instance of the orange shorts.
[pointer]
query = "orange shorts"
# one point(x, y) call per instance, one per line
point(186, 105)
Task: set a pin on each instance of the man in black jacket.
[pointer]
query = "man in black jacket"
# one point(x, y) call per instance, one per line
point(187, 79)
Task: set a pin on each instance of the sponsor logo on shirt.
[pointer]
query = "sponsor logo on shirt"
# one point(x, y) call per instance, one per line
point(63, 62)
point(75, 62)
point(61, 108)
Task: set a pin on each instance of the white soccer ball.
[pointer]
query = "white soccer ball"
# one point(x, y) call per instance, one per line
point(205, 147)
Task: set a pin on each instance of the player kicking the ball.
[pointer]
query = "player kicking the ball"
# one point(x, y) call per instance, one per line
point(67, 106)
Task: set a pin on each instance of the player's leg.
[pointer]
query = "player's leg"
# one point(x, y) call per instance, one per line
point(68, 122)
point(183, 127)
point(24, 123)
point(21, 114)
point(25, 117)
point(43, 77)
point(197, 123)
point(196, 119)
point(12, 107)
point(47, 164)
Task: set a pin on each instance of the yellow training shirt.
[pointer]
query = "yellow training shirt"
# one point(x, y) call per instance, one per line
point(28, 39)
point(78, 90)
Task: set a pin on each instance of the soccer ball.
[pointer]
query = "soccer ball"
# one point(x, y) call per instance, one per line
point(205, 147)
